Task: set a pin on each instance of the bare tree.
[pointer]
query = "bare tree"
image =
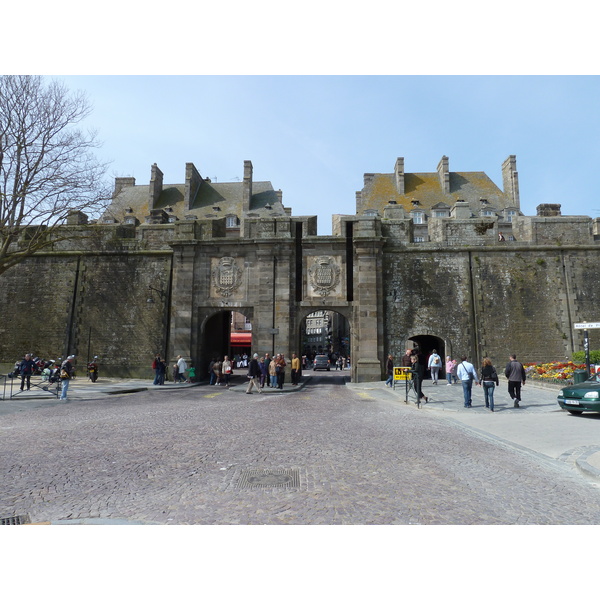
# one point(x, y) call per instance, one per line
point(47, 166)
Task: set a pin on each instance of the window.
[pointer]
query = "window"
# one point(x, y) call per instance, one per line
point(231, 222)
point(371, 213)
point(440, 214)
point(418, 218)
point(419, 239)
point(487, 213)
point(510, 214)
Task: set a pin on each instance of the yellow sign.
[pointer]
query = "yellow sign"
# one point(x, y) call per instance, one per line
point(402, 373)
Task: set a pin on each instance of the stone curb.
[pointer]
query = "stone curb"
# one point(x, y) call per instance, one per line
point(583, 462)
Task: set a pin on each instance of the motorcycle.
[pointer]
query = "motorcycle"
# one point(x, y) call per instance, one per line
point(92, 370)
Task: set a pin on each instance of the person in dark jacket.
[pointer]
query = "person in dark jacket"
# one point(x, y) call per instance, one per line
point(67, 372)
point(254, 375)
point(489, 380)
point(515, 372)
point(389, 369)
point(26, 368)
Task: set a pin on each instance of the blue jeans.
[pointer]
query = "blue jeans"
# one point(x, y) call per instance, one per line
point(389, 379)
point(467, 387)
point(449, 377)
point(488, 392)
point(65, 387)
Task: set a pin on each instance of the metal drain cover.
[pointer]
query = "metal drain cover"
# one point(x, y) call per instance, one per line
point(20, 520)
point(269, 478)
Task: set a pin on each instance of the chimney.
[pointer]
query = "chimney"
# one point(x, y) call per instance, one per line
point(247, 186)
point(156, 186)
point(121, 182)
point(399, 172)
point(510, 180)
point(443, 170)
point(193, 181)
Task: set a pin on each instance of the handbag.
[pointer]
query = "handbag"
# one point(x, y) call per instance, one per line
point(64, 374)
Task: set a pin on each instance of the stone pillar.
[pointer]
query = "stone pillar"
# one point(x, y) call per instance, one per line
point(368, 311)
point(182, 317)
point(121, 182)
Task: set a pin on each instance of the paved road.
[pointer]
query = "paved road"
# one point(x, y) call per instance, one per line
point(326, 454)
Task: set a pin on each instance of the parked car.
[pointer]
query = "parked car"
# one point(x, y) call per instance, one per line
point(581, 397)
point(321, 362)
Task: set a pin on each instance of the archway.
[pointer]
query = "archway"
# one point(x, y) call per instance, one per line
point(426, 344)
point(224, 333)
point(326, 332)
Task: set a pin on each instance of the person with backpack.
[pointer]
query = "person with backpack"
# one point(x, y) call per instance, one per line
point(434, 364)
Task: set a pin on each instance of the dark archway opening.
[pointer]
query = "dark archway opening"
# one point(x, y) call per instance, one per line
point(426, 344)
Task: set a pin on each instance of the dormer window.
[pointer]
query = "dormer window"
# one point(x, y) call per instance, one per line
point(232, 222)
point(418, 217)
point(371, 213)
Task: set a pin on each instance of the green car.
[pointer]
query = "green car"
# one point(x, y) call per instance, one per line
point(581, 397)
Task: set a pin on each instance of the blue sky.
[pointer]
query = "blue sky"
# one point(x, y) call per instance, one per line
point(314, 137)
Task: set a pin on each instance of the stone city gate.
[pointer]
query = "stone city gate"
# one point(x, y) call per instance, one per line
point(276, 281)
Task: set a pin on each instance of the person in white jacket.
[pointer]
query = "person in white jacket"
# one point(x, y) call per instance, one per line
point(434, 365)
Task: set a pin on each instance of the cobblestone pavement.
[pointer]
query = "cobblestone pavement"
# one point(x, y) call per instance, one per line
point(327, 454)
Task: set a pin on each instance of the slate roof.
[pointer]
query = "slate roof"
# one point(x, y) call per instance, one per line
point(427, 190)
point(227, 197)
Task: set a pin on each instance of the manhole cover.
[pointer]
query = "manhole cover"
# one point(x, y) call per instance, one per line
point(269, 478)
point(20, 520)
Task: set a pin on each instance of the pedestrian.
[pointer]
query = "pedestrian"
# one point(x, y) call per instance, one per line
point(434, 364)
point(467, 374)
point(417, 371)
point(406, 362)
point(389, 369)
point(515, 372)
point(264, 373)
point(273, 373)
point(268, 364)
point(450, 364)
point(181, 369)
point(191, 374)
point(161, 371)
point(226, 369)
point(155, 368)
point(489, 380)
point(175, 373)
point(211, 372)
point(67, 372)
point(26, 368)
point(218, 371)
point(280, 365)
point(295, 370)
point(253, 375)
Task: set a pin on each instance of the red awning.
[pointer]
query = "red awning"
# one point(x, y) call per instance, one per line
point(241, 338)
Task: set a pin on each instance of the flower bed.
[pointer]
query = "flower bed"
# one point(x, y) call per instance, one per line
point(561, 372)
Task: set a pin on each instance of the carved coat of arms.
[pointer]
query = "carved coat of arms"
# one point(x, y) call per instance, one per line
point(227, 276)
point(324, 275)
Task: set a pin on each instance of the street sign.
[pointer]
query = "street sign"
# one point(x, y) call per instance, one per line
point(587, 325)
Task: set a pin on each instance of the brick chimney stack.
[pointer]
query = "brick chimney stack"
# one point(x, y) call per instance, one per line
point(510, 180)
point(399, 173)
point(247, 186)
point(443, 170)
point(156, 186)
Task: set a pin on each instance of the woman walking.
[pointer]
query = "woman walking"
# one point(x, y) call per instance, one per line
point(489, 380)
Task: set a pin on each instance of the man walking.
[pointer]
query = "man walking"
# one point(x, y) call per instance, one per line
point(26, 367)
point(254, 375)
point(181, 369)
point(515, 372)
point(467, 374)
point(66, 374)
point(295, 369)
